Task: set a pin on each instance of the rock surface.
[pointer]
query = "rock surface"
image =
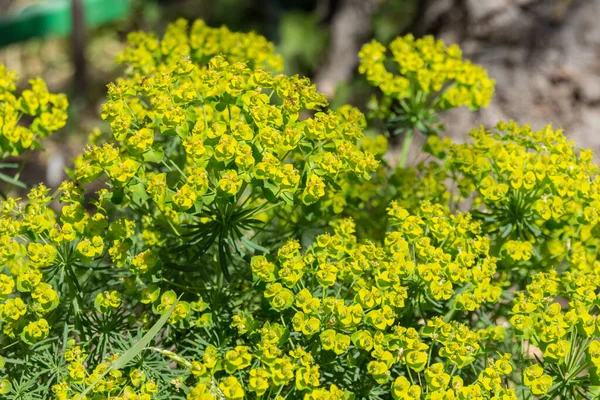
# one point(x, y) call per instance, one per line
point(544, 55)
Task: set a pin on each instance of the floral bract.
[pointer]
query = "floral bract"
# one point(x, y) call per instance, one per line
point(43, 112)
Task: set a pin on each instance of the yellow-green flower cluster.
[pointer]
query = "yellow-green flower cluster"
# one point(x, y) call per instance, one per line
point(38, 248)
point(558, 314)
point(44, 113)
point(25, 298)
point(206, 144)
point(48, 265)
point(352, 297)
point(534, 195)
point(424, 67)
point(146, 54)
point(534, 188)
point(118, 384)
point(230, 133)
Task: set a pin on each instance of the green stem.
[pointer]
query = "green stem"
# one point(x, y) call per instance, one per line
point(406, 145)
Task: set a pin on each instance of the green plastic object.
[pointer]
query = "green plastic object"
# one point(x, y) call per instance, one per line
point(53, 18)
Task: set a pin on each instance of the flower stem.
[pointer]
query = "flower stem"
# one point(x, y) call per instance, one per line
point(406, 145)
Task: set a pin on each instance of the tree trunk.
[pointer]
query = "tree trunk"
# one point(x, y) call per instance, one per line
point(350, 28)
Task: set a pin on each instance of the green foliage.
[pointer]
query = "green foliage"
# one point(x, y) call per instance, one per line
point(302, 41)
point(236, 238)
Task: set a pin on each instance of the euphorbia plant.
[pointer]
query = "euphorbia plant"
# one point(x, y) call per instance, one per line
point(423, 78)
point(25, 119)
point(233, 237)
point(199, 151)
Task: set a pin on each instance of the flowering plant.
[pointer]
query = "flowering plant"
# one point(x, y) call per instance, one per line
point(432, 78)
point(27, 118)
point(234, 237)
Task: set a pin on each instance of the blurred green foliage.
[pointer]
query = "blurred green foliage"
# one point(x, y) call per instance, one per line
point(302, 41)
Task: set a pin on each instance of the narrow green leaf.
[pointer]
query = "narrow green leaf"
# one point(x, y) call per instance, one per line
point(129, 355)
point(12, 181)
point(253, 245)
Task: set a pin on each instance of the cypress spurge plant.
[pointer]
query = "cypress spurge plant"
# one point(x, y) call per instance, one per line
point(421, 78)
point(233, 237)
point(199, 166)
point(25, 119)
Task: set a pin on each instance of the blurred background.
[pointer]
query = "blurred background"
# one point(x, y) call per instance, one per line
point(544, 54)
